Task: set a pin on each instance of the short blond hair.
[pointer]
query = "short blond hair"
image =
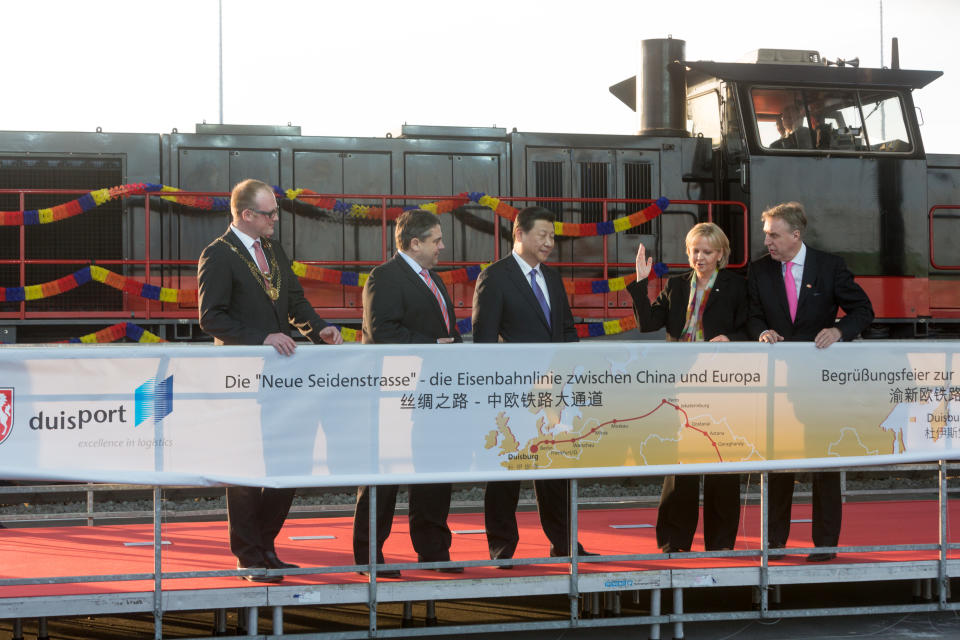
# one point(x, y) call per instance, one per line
point(715, 236)
point(244, 196)
point(790, 212)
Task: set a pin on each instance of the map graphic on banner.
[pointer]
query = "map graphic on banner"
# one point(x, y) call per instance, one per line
point(703, 427)
point(362, 414)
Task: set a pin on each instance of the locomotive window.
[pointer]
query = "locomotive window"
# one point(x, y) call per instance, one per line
point(831, 120)
point(886, 127)
point(704, 114)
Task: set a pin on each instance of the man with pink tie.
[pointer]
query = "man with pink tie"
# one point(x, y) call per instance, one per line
point(795, 292)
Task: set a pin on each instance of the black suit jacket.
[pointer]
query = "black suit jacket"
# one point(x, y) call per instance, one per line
point(827, 285)
point(725, 313)
point(505, 308)
point(235, 309)
point(399, 308)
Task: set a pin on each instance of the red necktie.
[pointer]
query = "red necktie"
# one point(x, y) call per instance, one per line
point(436, 293)
point(791, 286)
point(261, 259)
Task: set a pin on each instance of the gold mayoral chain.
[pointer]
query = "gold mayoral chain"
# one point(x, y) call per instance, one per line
point(271, 282)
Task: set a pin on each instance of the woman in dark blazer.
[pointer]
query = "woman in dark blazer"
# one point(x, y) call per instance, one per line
point(707, 304)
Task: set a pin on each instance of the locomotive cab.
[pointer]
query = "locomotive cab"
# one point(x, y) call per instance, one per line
point(845, 141)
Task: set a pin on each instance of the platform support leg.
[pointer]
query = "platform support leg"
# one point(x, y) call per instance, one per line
point(775, 592)
point(407, 620)
point(678, 610)
point(431, 617)
point(927, 589)
point(220, 622)
point(655, 611)
point(612, 607)
point(278, 621)
point(17, 629)
point(252, 614)
point(917, 590)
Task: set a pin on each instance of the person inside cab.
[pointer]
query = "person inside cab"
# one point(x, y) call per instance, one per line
point(793, 134)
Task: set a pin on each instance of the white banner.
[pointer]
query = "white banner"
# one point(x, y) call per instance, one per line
point(354, 414)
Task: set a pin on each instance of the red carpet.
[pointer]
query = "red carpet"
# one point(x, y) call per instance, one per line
point(100, 550)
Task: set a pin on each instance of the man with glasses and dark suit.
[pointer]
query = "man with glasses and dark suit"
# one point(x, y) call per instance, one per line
point(250, 296)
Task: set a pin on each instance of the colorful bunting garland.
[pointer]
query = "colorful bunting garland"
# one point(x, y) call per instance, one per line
point(99, 274)
point(96, 198)
point(117, 332)
point(310, 272)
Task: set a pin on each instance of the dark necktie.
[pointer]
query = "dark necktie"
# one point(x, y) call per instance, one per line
point(538, 292)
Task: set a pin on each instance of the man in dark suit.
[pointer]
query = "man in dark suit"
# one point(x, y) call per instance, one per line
point(249, 295)
point(795, 292)
point(405, 302)
point(793, 135)
point(520, 299)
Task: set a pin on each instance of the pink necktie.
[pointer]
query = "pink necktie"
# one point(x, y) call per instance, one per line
point(436, 294)
point(791, 286)
point(261, 259)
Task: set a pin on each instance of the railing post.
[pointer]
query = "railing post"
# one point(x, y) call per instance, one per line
point(157, 567)
point(764, 541)
point(372, 556)
point(942, 579)
point(146, 250)
point(574, 548)
point(89, 505)
point(23, 254)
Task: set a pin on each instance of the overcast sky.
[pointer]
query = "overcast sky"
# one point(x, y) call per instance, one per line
point(364, 68)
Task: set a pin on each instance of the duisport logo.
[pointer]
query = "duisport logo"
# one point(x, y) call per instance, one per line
point(153, 398)
point(6, 412)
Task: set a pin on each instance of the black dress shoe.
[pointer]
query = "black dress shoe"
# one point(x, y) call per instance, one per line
point(252, 577)
point(669, 548)
point(776, 545)
point(385, 573)
point(821, 557)
point(444, 569)
point(581, 553)
point(271, 560)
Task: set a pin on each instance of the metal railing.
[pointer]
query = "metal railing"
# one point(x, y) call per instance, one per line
point(581, 589)
point(146, 309)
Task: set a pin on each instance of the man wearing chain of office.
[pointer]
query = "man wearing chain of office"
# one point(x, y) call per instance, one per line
point(249, 295)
